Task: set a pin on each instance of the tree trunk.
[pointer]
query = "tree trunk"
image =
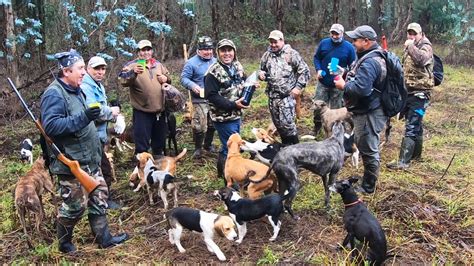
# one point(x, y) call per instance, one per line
point(164, 18)
point(12, 62)
point(279, 14)
point(335, 11)
point(377, 15)
point(215, 19)
point(352, 14)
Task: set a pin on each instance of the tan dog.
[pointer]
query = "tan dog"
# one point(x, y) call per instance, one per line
point(329, 116)
point(263, 135)
point(110, 157)
point(239, 169)
point(28, 194)
point(157, 173)
point(272, 130)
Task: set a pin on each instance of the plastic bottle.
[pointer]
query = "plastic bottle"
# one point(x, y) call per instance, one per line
point(249, 88)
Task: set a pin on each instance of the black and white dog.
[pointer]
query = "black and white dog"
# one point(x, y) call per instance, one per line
point(360, 224)
point(208, 224)
point(324, 158)
point(243, 210)
point(26, 152)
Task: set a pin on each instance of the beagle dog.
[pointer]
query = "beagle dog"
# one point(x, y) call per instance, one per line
point(26, 152)
point(208, 224)
point(159, 173)
point(240, 170)
point(244, 210)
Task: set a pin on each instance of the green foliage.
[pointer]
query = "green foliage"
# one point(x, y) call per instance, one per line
point(269, 257)
point(42, 251)
point(7, 213)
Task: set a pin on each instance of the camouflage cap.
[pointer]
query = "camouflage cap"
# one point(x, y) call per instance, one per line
point(414, 27)
point(364, 31)
point(226, 42)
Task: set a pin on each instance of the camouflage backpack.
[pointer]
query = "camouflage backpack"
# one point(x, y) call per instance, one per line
point(174, 100)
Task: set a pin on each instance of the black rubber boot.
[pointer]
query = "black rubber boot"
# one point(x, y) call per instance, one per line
point(221, 167)
point(369, 179)
point(406, 153)
point(418, 149)
point(100, 230)
point(208, 141)
point(198, 137)
point(64, 228)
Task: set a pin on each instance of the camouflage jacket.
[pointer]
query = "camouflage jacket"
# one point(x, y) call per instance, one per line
point(418, 66)
point(285, 70)
point(223, 86)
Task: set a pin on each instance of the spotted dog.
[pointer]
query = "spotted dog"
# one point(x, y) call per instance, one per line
point(208, 224)
point(26, 152)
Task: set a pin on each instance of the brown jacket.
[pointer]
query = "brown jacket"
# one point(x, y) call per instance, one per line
point(418, 66)
point(145, 89)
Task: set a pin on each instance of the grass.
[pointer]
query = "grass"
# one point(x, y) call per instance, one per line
point(427, 220)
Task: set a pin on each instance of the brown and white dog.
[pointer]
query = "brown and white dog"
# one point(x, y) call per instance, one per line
point(330, 116)
point(28, 194)
point(239, 169)
point(159, 173)
point(208, 224)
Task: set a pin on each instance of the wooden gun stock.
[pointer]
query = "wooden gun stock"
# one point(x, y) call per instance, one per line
point(89, 183)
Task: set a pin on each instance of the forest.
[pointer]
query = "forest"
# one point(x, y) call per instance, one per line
point(426, 211)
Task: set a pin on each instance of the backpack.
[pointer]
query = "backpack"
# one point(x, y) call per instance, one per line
point(393, 96)
point(174, 100)
point(438, 70)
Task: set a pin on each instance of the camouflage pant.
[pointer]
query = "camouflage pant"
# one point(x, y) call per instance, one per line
point(201, 118)
point(331, 96)
point(284, 115)
point(75, 198)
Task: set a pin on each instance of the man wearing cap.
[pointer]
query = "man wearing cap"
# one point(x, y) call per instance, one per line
point(286, 75)
point(68, 121)
point(145, 77)
point(95, 93)
point(223, 86)
point(332, 47)
point(419, 80)
point(365, 78)
point(192, 78)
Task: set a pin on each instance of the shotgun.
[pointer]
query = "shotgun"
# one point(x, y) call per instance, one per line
point(89, 183)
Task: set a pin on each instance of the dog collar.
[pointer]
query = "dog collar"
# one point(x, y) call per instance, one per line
point(353, 203)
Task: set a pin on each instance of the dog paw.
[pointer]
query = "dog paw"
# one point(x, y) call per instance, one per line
point(238, 241)
point(222, 258)
point(271, 239)
point(182, 250)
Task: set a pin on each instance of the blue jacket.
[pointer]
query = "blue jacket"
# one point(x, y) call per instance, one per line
point(363, 83)
point(95, 92)
point(193, 74)
point(327, 49)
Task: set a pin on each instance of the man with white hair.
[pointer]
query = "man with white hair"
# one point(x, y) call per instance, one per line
point(95, 93)
point(335, 46)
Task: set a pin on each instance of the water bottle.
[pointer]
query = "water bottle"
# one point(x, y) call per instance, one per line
point(333, 64)
point(249, 88)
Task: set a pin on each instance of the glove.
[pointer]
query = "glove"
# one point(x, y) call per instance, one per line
point(119, 126)
point(92, 112)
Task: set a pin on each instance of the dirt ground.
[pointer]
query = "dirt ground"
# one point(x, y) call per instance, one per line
point(421, 229)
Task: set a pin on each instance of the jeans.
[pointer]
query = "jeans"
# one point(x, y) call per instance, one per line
point(225, 129)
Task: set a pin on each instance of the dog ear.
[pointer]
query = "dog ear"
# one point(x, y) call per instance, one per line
point(219, 226)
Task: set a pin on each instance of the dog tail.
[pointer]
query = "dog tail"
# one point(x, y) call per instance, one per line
point(263, 178)
point(308, 137)
point(181, 155)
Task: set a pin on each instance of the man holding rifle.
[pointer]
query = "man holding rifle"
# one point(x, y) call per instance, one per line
point(68, 121)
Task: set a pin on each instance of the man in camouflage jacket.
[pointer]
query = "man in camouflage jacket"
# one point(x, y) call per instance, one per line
point(419, 80)
point(287, 75)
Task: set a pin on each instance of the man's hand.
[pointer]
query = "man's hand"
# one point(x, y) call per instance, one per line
point(295, 92)
point(339, 82)
point(340, 70)
point(92, 113)
point(162, 78)
point(408, 42)
point(261, 75)
point(319, 75)
point(196, 90)
point(115, 110)
point(240, 105)
point(138, 69)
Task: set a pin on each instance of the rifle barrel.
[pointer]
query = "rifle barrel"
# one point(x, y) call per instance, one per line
point(21, 99)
